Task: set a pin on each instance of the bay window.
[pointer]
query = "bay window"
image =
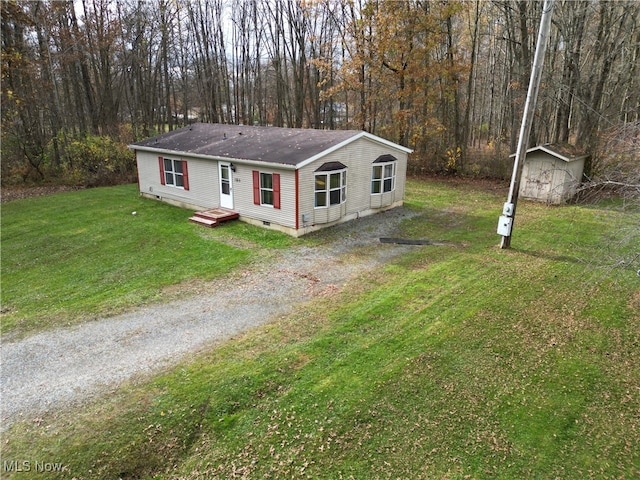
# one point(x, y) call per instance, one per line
point(383, 176)
point(330, 185)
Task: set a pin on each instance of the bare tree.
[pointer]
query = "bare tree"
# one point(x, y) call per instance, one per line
point(446, 78)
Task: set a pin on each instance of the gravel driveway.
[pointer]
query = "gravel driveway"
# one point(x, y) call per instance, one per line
point(53, 368)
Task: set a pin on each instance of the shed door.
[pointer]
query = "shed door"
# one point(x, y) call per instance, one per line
point(538, 175)
point(226, 185)
point(545, 179)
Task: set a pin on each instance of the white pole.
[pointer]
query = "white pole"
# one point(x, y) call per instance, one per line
point(505, 225)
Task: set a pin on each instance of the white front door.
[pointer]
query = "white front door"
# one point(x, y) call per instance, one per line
point(226, 185)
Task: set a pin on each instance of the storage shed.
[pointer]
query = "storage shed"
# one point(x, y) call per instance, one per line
point(292, 180)
point(551, 173)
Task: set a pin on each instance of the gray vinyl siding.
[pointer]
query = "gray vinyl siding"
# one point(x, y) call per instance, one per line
point(243, 196)
point(204, 189)
point(358, 157)
point(203, 180)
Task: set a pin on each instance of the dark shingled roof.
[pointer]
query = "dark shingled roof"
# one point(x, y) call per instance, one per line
point(563, 151)
point(385, 158)
point(331, 166)
point(289, 146)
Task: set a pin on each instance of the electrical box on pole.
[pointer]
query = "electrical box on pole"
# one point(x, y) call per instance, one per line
point(506, 220)
point(507, 209)
point(505, 224)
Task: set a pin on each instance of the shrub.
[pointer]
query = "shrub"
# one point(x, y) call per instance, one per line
point(95, 160)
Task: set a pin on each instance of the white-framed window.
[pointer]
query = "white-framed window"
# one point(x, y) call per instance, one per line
point(266, 189)
point(330, 188)
point(383, 177)
point(174, 173)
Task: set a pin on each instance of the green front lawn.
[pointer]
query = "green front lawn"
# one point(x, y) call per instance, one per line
point(463, 361)
point(78, 255)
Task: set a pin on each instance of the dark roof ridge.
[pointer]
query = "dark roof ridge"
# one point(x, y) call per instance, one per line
point(289, 146)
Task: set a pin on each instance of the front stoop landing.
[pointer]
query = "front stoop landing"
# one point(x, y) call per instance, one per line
point(212, 218)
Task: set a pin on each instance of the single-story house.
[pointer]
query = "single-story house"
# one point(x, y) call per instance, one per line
point(551, 173)
point(290, 179)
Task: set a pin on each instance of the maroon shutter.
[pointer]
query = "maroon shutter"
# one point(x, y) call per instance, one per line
point(256, 187)
point(276, 190)
point(185, 175)
point(161, 163)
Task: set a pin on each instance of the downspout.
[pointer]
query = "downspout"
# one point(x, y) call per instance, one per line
point(297, 200)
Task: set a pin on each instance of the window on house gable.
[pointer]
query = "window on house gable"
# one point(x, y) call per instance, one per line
point(330, 184)
point(383, 176)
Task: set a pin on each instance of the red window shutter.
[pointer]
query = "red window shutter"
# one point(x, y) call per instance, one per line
point(276, 190)
point(185, 175)
point(256, 187)
point(161, 164)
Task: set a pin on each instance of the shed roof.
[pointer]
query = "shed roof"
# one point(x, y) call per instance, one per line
point(288, 146)
point(563, 151)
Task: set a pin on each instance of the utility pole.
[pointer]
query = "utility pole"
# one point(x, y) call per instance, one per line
point(505, 224)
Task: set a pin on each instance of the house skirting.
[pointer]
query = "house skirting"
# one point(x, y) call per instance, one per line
point(303, 230)
point(174, 202)
point(306, 229)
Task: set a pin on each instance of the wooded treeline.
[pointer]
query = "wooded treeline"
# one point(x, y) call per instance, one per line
point(82, 79)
